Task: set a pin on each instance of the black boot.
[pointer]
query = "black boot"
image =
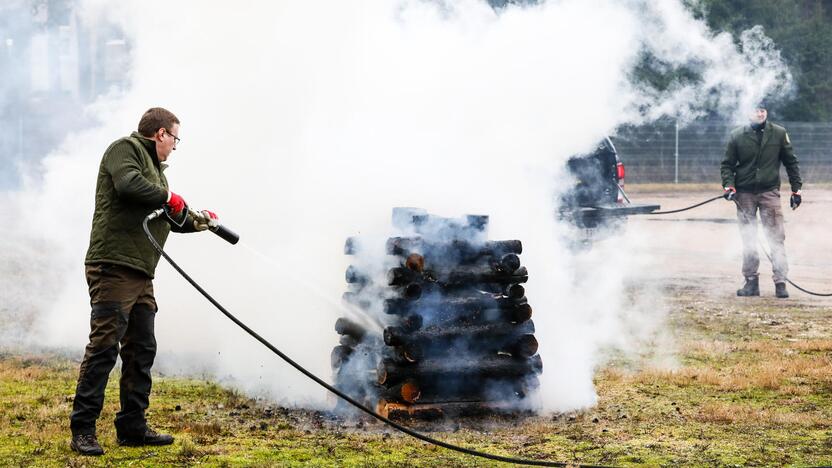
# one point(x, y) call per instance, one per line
point(751, 287)
point(780, 290)
point(148, 437)
point(86, 444)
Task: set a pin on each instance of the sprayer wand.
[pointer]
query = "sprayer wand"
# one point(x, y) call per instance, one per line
point(227, 234)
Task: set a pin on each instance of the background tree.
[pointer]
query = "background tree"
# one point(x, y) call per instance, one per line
point(802, 30)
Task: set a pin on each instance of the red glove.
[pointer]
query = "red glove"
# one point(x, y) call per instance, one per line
point(176, 203)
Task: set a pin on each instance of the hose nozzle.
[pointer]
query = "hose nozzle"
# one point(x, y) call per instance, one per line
point(227, 234)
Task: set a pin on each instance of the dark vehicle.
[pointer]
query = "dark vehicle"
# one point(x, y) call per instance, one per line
point(598, 199)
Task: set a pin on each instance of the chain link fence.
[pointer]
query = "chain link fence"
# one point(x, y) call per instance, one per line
point(665, 153)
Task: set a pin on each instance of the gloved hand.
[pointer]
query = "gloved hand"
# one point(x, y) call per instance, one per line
point(205, 220)
point(795, 200)
point(176, 203)
point(730, 193)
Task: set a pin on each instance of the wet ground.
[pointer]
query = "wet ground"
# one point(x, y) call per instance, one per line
point(701, 247)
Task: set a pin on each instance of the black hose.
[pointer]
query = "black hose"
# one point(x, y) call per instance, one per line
point(685, 209)
point(811, 293)
point(319, 381)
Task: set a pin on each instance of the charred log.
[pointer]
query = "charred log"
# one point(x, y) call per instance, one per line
point(411, 292)
point(508, 263)
point(434, 411)
point(454, 251)
point(483, 333)
point(407, 391)
point(340, 354)
point(454, 305)
point(473, 389)
point(348, 341)
point(351, 246)
point(399, 305)
point(462, 317)
point(412, 322)
point(345, 326)
point(467, 276)
point(524, 346)
point(389, 372)
point(404, 355)
point(521, 346)
point(354, 275)
point(515, 291)
point(415, 262)
point(401, 276)
point(440, 226)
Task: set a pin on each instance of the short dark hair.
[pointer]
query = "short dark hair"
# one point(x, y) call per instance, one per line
point(154, 119)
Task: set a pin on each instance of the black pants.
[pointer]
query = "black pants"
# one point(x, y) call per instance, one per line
point(121, 323)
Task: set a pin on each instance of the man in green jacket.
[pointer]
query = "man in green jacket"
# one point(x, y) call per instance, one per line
point(751, 178)
point(120, 266)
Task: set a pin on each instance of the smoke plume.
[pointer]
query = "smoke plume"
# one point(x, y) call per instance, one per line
point(303, 123)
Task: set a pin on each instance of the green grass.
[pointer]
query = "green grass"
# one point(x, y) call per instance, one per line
point(754, 387)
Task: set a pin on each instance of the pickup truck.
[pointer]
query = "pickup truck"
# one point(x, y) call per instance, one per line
point(598, 201)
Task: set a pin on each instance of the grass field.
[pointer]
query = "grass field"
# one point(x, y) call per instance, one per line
point(753, 386)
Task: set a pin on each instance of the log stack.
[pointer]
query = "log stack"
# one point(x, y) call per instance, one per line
point(446, 324)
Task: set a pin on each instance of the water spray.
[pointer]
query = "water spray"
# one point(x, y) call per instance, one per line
point(233, 238)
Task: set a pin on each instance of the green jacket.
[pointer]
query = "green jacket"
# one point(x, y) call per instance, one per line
point(752, 165)
point(130, 185)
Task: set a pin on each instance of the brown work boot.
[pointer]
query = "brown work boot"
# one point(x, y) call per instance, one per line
point(780, 290)
point(751, 287)
point(86, 444)
point(148, 437)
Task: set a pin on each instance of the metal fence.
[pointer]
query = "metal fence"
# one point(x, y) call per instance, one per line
point(666, 153)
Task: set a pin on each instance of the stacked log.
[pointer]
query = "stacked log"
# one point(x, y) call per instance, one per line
point(455, 330)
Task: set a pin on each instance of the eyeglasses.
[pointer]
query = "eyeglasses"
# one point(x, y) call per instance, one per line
point(176, 139)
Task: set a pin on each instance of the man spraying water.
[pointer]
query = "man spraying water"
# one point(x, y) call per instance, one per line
point(120, 267)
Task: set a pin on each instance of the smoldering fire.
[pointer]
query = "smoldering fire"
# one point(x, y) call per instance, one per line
point(458, 334)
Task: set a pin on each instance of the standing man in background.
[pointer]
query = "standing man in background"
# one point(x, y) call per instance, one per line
point(751, 177)
point(120, 266)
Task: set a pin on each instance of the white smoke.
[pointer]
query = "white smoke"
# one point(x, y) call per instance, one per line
point(305, 122)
